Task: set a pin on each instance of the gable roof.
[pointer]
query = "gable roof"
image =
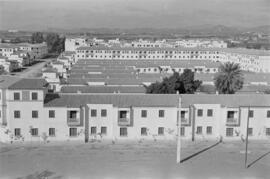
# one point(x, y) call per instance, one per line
point(119, 100)
point(30, 83)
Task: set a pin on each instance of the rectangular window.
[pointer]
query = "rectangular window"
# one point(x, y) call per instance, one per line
point(51, 132)
point(161, 131)
point(123, 131)
point(200, 112)
point(123, 114)
point(199, 129)
point(209, 130)
point(267, 132)
point(251, 113)
point(51, 114)
point(144, 131)
point(230, 114)
point(17, 114)
point(93, 112)
point(183, 114)
point(229, 132)
point(250, 131)
point(268, 114)
point(17, 132)
point(182, 131)
point(103, 113)
point(144, 113)
point(161, 113)
point(103, 130)
point(73, 132)
point(34, 114)
point(34, 96)
point(210, 112)
point(93, 130)
point(34, 131)
point(17, 96)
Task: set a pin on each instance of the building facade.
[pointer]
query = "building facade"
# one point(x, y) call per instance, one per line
point(30, 113)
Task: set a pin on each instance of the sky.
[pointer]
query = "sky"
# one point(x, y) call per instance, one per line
point(75, 14)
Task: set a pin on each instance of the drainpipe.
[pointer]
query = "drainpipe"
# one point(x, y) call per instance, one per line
point(192, 118)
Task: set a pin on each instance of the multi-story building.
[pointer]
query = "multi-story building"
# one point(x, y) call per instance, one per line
point(249, 60)
point(29, 112)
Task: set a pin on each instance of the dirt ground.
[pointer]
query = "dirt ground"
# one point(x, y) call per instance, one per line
point(146, 159)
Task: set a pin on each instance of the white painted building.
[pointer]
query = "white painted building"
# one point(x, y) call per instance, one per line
point(30, 113)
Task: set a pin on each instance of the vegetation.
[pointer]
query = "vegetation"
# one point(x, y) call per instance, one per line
point(56, 44)
point(183, 83)
point(229, 78)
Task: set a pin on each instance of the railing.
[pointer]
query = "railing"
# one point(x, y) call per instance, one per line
point(73, 121)
point(232, 121)
point(124, 121)
point(184, 121)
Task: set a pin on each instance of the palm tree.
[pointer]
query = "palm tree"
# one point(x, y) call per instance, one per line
point(229, 78)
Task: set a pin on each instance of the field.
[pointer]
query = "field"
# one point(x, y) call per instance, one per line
point(137, 159)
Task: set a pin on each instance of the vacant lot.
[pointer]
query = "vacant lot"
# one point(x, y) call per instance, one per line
point(144, 159)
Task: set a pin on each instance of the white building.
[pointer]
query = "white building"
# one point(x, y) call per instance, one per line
point(30, 113)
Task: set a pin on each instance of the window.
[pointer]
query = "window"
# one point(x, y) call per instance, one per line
point(210, 112)
point(51, 132)
point(34, 96)
point(144, 113)
point(103, 112)
point(17, 132)
point(200, 112)
point(250, 131)
point(144, 131)
point(17, 96)
point(199, 129)
point(122, 114)
point(34, 131)
point(230, 114)
point(72, 114)
point(73, 132)
point(161, 113)
point(251, 113)
point(229, 132)
point(103, 130)
point(182, 131)
point(17, 114)
point(267, 132)
point(209, 130)
point(123, 131)
point(161, 131)
point(93, 112)
point(34, 114)
point(51, 114)
point(183, 114)
point(268, 114)
point(93, 130)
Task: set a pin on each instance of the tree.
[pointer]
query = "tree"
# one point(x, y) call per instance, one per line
point(229, 78)
point(55, 43)
point(37, 37)
point(183, 83)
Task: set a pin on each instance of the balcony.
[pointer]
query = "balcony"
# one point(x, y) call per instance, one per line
point(124, 122)
point(185, 121)
point(73, 121)
point(232, 122)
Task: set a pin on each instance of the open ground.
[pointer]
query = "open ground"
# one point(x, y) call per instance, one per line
point(137, 159)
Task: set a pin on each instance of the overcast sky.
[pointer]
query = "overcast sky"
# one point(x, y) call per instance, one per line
point(43, 14)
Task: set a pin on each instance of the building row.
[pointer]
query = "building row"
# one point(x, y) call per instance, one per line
point(28, 112)
point(14, 56)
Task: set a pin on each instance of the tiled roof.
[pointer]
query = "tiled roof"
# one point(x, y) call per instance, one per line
point(227, 100)
point(103, 89)
point(6, 81)
point(119, 100)
point(29, 83)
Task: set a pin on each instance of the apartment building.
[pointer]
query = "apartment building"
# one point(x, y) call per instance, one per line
point(30, 113)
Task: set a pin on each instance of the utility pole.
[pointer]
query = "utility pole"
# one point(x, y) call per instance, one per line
point(178, 155)
point(247, 137)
